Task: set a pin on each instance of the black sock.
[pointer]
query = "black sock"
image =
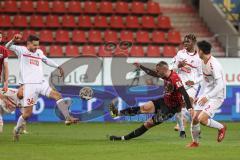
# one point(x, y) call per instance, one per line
point(130, 111)
point(138, 132)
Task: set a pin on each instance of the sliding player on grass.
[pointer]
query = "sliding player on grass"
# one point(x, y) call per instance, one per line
point(163, 108)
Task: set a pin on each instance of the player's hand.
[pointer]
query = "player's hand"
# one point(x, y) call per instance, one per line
point(17, 37)
point(136, 64)
point(182, 63)
point(195, 100)
point(61, 71)
point(5, 87)
point(202, 101)
point(189, 83)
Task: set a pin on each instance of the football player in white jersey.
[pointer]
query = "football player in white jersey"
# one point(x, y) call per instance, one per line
point(213, 94)
point(188, 66)
point(32, 80)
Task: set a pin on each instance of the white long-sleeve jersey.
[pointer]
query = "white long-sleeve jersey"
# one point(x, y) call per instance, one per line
point(214, 85)
point(192, 71)
point(30, 64)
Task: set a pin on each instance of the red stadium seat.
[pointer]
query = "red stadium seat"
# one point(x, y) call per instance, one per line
point(94, 36)
point(78, 36)
point(116, 22)
point(103, 52)
point(126, 36)
point(89, 50)
point(46, 36)
point(153, 51)
point(26, 6)
point(110, 36)
point(142, 37)
point(121, 52)
point(74, 7)
point(90, 7)
point(153, 8)
point(68, 21)
point(56, 51)
point(26, 33)
point(132, 22)
point(137, 8)
point(42, 7)
point(174, 37)
point(20, 21)
point(52, 21)
point(136, 51)
point(100, 22)
point(169, 51)
point(163, 22)
point(84, 22)
point(148, 22)
point(62, 36)
point(36, 21)
point(121, 7)
point(58, 7)
point(10, 6)
point(158, 37)
point(105, 7)
point(72, 51)
point(7, 21)
point(43, 48)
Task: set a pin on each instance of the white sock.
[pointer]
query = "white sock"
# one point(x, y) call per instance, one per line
point(195, 132)
point(186, 114)
point(63, 107)
point(123, 138)
point(214, 124)
point(179, 120)
point(20, 122)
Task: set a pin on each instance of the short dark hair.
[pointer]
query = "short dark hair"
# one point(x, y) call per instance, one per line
point(32, 38)
point(204, 46)
point(162, 63)
point(191, 36)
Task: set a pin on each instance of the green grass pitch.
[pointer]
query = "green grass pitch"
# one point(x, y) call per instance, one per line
point(87, 141)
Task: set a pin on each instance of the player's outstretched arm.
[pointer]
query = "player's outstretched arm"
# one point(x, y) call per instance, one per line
point(51, 63)
point(10, 45)
point(147, 70)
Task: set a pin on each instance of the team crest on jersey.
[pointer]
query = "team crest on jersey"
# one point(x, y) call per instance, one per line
point(169, 88)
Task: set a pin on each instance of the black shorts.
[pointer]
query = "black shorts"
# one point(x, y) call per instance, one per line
point(162, 111)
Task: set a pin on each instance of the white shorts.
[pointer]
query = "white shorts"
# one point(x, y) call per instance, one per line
point(31, 93)
point(192, 92)
point(210, 107)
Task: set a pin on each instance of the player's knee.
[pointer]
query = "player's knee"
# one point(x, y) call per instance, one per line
point(148, 124)
point(202, 120)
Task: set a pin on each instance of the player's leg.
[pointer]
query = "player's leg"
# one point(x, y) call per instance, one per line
point(62, 104)
point(162, 113)
point(205, 118)
point(132, 111)
point(30, 96)
point(137, 132)
point(180, 124)
point(195, 130)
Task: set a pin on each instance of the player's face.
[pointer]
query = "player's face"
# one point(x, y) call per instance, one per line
point(188, 44)
point(33, 46)
point(161, 71)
